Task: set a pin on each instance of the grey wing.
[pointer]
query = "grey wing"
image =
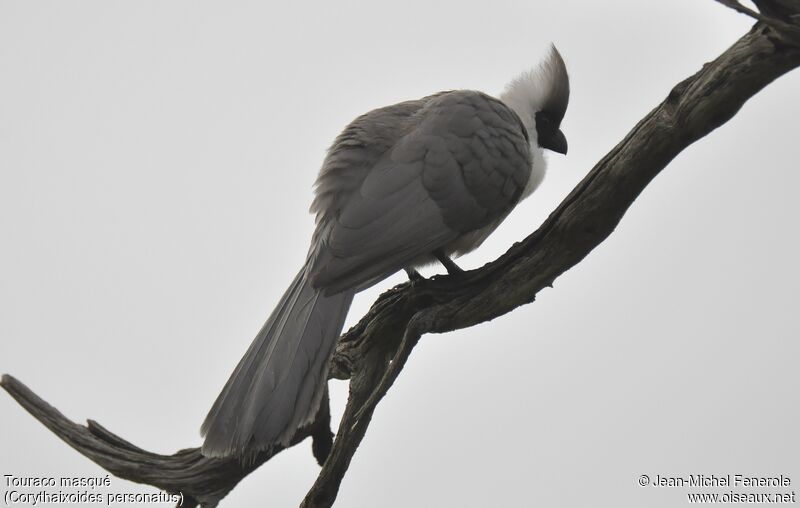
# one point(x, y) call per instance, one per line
point(461, 166)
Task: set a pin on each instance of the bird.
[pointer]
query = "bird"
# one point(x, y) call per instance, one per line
point(402, 186)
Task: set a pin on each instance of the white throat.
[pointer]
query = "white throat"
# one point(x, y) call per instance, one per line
point(538, 164)
point(525, 95)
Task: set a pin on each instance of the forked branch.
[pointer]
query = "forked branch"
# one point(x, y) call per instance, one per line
point(374, 351)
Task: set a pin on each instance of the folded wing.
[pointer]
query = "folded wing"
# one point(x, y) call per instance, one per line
point(459, 165)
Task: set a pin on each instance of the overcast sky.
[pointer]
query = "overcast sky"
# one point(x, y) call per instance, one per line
point(156, 163)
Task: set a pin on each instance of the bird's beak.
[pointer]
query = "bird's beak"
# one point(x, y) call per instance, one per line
point(556, 141)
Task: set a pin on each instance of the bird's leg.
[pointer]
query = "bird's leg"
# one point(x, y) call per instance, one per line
point(448, 263)
point(413, 275)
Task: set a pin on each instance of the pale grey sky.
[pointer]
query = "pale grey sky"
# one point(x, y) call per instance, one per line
point(151, 153)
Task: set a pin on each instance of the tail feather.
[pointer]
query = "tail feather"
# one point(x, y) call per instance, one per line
point(278, 384)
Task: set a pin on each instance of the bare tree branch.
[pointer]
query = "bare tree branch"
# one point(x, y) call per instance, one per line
point(775, 13)
point(374, 351)
point(694, 107)
point(738, 7)
point(201, 479)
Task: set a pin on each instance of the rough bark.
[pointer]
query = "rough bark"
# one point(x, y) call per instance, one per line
point(374, 351)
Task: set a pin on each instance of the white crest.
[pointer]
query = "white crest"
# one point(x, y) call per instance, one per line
point(545, 87)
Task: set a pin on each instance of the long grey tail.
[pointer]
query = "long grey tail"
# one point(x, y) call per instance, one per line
point(278, 384)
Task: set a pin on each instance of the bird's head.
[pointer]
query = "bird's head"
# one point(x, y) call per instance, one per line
point(540, 98)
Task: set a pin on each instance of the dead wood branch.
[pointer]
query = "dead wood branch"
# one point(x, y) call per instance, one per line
point(374, 351)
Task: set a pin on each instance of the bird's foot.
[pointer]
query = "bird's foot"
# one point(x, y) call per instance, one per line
point(450, 265)
point(414, 276)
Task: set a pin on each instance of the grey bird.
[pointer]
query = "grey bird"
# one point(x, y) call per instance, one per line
point(401, 187)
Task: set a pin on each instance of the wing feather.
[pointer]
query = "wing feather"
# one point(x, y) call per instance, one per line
point(459, 164)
